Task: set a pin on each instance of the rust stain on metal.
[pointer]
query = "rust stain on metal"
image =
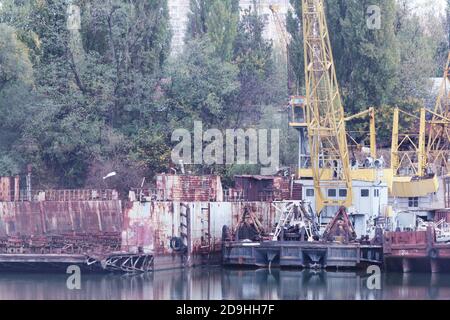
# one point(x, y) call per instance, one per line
point(265, 188)
point(152, 225)
point(188, 188)
point(60, 226)
point(7, 187)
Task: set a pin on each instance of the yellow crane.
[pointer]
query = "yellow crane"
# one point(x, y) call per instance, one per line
point(415, 154)
point(284, 41)
point(325, 118)
point(372, 129)
point(412, 172)
point(417, 160)
point(281, 28)
point(408, 154)
point(319, 118)
point(438, 148)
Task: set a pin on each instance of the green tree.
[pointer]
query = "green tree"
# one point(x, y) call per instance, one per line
point(365, 58)
point(260, 80)
point(418, 52)
point(16, 83)
point(448, 23)
point(202, 86)
point(218, 19)
point(295, 48)
point(96, 85)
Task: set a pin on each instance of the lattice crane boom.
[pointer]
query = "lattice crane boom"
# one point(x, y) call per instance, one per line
point(324, 111)
point(284, 42)
point(438, 148)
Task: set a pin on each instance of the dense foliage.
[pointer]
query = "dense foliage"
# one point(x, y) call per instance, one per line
point(79, 99)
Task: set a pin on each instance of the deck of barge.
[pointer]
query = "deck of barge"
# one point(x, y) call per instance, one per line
point(114, 262)
point(44, 262)
point(301, 254)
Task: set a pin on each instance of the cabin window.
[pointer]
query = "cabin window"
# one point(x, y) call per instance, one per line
point(342, 193)
point(364, 193)
point(376, 193)
point(310, 192)
point(332, 193)
point(413, 202)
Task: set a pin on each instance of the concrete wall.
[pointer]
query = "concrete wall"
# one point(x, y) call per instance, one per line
point(179, 10)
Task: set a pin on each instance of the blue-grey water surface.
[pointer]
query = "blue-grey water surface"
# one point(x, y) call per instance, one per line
point(226, 284)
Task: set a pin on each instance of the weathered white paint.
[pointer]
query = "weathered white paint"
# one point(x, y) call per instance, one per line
point(364, 207)
point(405, 215)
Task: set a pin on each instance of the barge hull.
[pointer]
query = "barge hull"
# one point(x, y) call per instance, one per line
point(293, 254)
point(415, 251)
point(115, 262)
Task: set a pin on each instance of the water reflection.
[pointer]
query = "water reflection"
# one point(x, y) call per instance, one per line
point(227, 284)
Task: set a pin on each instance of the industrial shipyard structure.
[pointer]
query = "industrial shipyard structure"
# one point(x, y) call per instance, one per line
point(348, 203)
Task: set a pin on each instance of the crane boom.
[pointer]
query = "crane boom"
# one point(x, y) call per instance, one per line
point(438, 148)
point(372, 128)
point(285, 41)
point(281, 30)
point(324, 111)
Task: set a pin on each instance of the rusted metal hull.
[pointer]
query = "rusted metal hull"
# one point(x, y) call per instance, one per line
point(51, 235)
point(188, 188)
point(300, 254)
point(415, 251)
point(151, 226)
point(59, 217)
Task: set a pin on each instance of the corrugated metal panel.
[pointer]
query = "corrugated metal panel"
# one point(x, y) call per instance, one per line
point(189, 188)
point(54, 217)
point(264, 188)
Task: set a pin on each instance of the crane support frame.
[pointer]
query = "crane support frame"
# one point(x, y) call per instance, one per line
point(324, 110)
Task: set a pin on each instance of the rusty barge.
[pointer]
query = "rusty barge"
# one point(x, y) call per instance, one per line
point(416, 251)
point(188, 221)
point(297, 243)
point(51, 230)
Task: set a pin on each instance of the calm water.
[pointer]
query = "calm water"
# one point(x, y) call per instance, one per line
point(217, 284)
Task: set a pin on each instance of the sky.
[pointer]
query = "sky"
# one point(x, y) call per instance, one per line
point(437, 6)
